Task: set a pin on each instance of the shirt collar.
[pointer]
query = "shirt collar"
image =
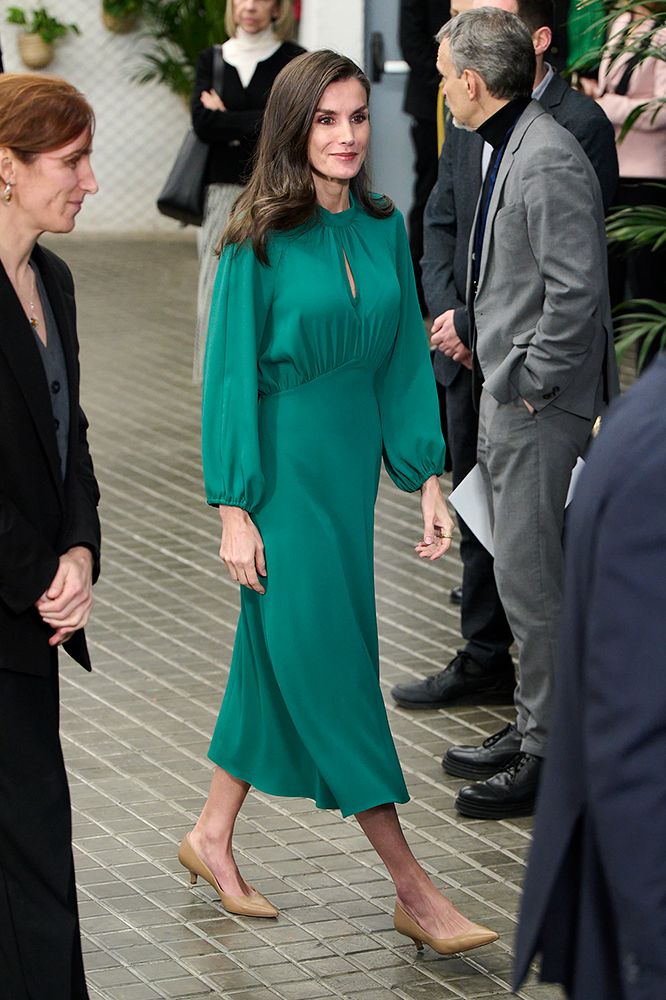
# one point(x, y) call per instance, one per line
point(539, 91)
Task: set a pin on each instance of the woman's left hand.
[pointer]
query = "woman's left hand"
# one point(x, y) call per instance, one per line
point(212, 101)
point(437, 523)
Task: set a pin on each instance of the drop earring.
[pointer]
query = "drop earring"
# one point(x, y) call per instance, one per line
point(7, 193)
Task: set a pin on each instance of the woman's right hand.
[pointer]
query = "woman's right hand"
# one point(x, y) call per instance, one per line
point(212, 101)
point(241, 549)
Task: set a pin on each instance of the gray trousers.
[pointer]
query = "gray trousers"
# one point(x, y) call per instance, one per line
point(526, 461)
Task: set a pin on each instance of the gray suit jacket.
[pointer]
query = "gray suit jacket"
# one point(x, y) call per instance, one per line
point(450, 210)
point(543, 323)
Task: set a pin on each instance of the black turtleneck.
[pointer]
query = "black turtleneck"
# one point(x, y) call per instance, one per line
point(496, 131)
point(495, 128)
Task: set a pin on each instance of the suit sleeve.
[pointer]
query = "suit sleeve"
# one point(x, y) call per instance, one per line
point(83, 527)
point(27, 561)
point(417, 40)
point(559, 199)
point(218, 126)
point(412, 441)
point(440, 232)
point(625, 698)
point(598, 140)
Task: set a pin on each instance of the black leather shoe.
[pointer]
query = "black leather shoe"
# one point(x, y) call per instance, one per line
point(456, 595)
point(464, 681)
point(511, 792)
point(482, 762)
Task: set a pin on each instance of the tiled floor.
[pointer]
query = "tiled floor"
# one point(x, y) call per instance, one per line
point(136, 731)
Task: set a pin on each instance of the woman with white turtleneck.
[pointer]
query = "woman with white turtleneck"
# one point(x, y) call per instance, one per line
point(257, 49)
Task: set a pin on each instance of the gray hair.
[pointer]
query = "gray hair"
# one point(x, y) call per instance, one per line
point(496, 45)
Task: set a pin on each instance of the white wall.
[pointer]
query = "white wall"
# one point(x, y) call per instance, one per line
point(334, 24)
point(139, 127)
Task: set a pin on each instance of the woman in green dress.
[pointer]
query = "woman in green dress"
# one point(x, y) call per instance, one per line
point(316, 367)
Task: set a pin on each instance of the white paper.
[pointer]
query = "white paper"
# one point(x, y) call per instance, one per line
point(470, 500)
point(578, 468)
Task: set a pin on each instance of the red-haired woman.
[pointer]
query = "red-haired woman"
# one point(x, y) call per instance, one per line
point(49, 529)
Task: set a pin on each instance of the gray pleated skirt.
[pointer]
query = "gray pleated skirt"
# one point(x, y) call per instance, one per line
point(219, 201)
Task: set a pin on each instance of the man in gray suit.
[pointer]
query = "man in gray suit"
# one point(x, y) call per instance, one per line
point(540, 337)
point(482, 671)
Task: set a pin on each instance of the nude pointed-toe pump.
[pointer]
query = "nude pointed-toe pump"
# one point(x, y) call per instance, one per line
point(475, 937)
point(254, 905)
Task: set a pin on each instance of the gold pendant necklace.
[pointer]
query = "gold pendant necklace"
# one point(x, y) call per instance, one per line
point(34, 322)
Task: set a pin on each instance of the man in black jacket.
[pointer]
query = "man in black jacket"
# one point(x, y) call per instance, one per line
point(420, 20)
point(483, 670)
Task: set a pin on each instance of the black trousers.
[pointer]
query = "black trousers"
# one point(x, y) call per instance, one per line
point(482, 620)
point(40, 945)
point(424, 139)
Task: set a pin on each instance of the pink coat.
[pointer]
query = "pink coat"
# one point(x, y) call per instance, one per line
point(642, 153)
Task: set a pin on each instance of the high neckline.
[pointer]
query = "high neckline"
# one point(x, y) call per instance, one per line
point(245, 51)
point(253, 42)
point(339, 218)
point(496, 128)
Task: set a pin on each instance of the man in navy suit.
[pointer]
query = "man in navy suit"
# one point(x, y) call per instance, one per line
point(594, 903)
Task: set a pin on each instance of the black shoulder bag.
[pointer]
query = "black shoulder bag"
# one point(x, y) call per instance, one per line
point(183, 194)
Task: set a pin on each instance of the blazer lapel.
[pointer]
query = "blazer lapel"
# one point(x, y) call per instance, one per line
point(502, 173)
point(64, 311)
point(17, 343)
point(531, 112)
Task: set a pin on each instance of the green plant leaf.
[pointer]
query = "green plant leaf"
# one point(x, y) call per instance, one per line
point(122, 8)
point(640, 226)
point(16, 15)
point(642, 321)
point(177, 31)
point(41, 23)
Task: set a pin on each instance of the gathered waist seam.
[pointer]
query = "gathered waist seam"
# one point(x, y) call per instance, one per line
point(315, 378)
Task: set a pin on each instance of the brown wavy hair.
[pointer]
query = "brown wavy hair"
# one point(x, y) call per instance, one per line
point(41, 113)
point(281, 194)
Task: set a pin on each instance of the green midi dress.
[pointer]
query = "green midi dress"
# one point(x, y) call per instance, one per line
point(306, 386)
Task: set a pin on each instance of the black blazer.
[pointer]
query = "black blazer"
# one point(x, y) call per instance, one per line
point(233, 134)
point(41, 516)
point(593, 901)
point(451, 207)
point(420, 20)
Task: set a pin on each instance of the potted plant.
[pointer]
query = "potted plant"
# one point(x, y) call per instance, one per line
point(179, 30)
point(121, 16)
point(641, 323)
point(40, 33)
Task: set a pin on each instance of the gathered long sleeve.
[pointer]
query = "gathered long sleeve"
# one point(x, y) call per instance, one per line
point(413, 446)
point(230, 430)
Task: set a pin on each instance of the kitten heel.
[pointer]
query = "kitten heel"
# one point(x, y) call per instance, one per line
point(254, 905)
